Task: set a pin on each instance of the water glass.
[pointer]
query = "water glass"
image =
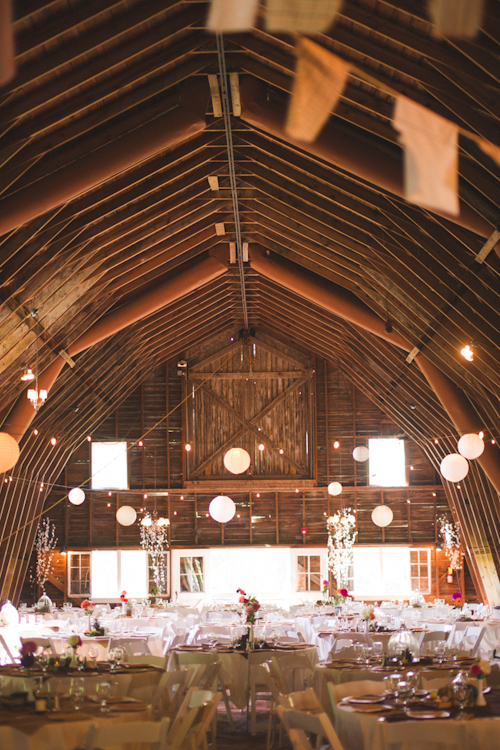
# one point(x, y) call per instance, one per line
point(103, 691)
point(460, 694)
point(77, 692)
point(378, 649)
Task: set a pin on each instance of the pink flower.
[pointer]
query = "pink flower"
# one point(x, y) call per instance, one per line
point(325, 583)
point(475, 669)
point(85, 603)
point(456, 595)
point(344, 592)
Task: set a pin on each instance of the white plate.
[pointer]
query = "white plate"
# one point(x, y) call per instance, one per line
point(428, 714)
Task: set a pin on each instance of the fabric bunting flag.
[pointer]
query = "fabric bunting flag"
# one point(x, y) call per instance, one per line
point(232, 16)
point(431, 156)
point(456, 18)
point(319, 81)
point(306, 16)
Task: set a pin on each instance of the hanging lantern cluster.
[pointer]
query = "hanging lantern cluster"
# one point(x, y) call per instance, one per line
point(455, 466)
point(154, 540)
point(341, 538)
point(449, 533)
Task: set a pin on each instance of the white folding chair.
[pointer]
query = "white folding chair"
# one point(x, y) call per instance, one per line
point(471, 641)
point(358, 687)
point(153, 733)
point(311, 723)
point(429, 640)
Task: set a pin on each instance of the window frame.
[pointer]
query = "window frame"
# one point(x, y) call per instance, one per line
point(404, 467)
point(69, 560)
point(428, 563)
point(115, 488)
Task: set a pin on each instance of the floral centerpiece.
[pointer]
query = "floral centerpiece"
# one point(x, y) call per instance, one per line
point(27, 653)
point(74, 641)
point(480, 670)
point(252, 605)
point(457, 599)
point(96, 629)
point(88, 606)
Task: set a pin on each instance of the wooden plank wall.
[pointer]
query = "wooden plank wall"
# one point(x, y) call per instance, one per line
point(265, 514)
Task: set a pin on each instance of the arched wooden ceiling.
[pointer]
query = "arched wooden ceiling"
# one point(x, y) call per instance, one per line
point(108, 138)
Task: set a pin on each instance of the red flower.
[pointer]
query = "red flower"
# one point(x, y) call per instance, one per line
point(475, 669)
point(344, 592)
point(86, 603)
point(28, 648)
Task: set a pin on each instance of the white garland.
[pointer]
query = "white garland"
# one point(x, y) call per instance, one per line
point(154, 539)
point(452, 543)
point(45, 543)
point(341, 538)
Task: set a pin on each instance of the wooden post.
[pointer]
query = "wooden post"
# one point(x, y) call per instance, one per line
point(167, 426)
point(327, 430)
point(250, 511)
point(277, 517)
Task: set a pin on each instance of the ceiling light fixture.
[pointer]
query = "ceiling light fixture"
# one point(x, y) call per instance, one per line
point(37, 397)
point(28, 374)
point(468, 352)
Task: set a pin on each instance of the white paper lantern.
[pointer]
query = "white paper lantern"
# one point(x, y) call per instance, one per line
point(222, 509)
point(9, 451)
point(76, 496)
point(454, 467)
point(334, 488)
point(360, 453)
point(237, 460)
point(9, 614)
point(382, 515)
point(126, 515)
point(470, 445)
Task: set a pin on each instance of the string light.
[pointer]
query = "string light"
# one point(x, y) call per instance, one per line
point(187, 447)
point(336, 444)
point(53, 441)
point(467, 352)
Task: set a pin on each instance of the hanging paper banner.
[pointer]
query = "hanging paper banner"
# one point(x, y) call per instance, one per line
point(306, 16)
point(491, 150)
point(319, 81)
point(231, 16)
point(431, 156)
point(456, 18)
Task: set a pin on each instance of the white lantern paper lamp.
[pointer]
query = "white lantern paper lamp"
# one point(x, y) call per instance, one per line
point(222, 508)
point(76, 496)
point(334, 488)
point(382, 515)
point(360, 453)
point(237, 460)
point(454, 467)
point(470, 445)
point(9, 451)
point(126, 515)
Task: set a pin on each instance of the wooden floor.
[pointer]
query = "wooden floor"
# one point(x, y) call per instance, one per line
point(241, 738)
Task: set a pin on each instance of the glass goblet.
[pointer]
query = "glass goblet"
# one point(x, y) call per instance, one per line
point(77, 692)
point(112, 659)
point(378, 649)
point(103, 691)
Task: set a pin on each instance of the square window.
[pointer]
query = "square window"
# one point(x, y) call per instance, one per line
point(109, 466)
point(387, 462)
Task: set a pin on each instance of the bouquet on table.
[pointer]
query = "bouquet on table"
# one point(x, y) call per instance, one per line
point(457, 600)
point(88, 606)
point(27, 653)
point(252, 605)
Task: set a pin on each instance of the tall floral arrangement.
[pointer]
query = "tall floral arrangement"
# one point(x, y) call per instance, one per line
point(452, 543)
point(154, 539)
point(252, 605)
point(45, 543)
point(341, 538)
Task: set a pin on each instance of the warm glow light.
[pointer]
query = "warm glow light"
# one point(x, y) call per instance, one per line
point(145, 497)
point(471, 445)
point(110, 494)
point(481, 434)
point(336, 444)
point(35, 432)
point(53, 441)
point(436, 441)
point(493, 441)
point(187, 447)
point(175, 512)
point(258, 494)
point(182, 497)
point(467, 353)
point(109, 505)
point(89, 439)
point(261, 447)
point(281, 451)
point(296, 489)
point(237, 460)
point(9, 451)
point(334, 488)
point(222, 508)
point(411, 468)
point(28, 375)
point(140, 444)
point(76, 496)
point(454, 467)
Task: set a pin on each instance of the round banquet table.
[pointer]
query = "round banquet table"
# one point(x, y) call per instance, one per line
point(351, 672)
point(235, 670)
point(22, 729)
point(133, 681)
point(364, 731)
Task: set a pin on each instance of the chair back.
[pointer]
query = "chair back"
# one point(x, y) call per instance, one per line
point(206, 677)
point(305, 700)
point(311, 723)
point(171, 691)
point(358, 687)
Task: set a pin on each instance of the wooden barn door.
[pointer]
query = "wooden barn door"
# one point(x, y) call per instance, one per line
point(247, 395)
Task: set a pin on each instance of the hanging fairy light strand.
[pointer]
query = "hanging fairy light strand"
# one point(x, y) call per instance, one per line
point(452, 543)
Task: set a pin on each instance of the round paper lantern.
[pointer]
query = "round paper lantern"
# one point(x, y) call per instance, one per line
point(470, 445)
point(237, 460)
point(382, 515)
point(454, 467)
point(222, 509)
point(76, 496)
point(334, 488)
point(126, 515)
point(360, 453)
point(9, 451)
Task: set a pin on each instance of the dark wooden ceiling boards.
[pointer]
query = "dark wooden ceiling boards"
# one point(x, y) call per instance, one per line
point(91, 76)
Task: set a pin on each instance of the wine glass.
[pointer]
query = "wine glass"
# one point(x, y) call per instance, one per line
point(392, 681)
point(93, 653)
point(103, 691)
point(378, 649)
point(120, 655)
point(461, 695)
point(113, 658)
point(358, 651)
